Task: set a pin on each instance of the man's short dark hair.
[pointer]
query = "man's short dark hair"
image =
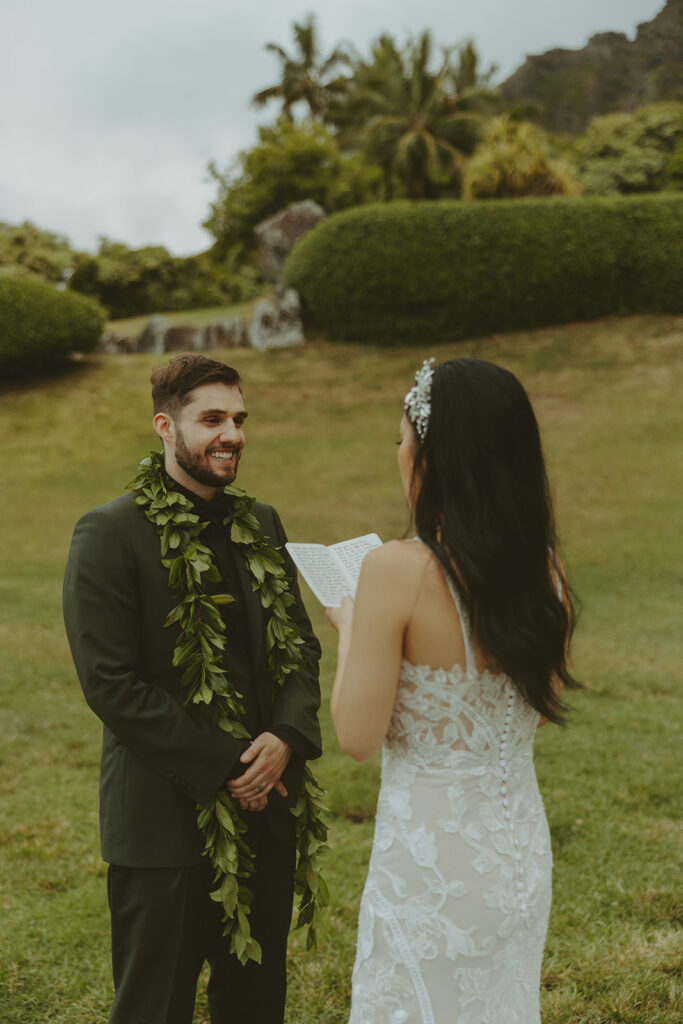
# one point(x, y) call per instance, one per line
point(172, 384)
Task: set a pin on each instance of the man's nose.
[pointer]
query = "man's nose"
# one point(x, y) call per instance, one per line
point(231, 433)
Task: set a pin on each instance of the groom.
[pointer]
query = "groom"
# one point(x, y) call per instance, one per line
point(160, 758)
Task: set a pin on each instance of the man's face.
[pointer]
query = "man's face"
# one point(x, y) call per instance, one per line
point(208, 435)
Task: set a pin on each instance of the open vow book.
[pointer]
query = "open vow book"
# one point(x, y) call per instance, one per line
point(332, 572)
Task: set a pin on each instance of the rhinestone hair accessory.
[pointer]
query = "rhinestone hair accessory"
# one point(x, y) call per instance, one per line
point(418, 401)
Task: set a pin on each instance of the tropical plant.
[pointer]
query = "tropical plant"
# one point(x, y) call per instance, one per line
point(629, 152)
point(305, 76)
point(470, 85)
point(416, 120)
point(513, 160)
point(289, 163)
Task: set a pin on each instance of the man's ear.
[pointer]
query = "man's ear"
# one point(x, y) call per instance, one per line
point(165, 427)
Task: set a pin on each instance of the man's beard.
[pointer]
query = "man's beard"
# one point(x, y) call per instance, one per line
point(195, 465)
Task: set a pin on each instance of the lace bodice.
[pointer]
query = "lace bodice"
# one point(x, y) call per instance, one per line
point(459, 719)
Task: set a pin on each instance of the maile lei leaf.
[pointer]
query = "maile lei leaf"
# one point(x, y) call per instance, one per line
point(198, 653)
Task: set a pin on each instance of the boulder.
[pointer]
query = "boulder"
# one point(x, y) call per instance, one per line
point(276, 324)
point(277, 235)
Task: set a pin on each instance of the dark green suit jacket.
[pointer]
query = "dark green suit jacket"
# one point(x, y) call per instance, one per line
point(160, 759)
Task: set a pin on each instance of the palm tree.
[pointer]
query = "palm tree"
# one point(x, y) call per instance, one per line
point(304, 76)
point(469, 84)
point(417, 123)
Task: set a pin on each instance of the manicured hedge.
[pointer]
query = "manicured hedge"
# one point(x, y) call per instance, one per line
point(420, 272)
point(40, 325)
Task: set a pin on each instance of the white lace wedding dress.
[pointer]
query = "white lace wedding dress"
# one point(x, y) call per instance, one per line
point(455, 907)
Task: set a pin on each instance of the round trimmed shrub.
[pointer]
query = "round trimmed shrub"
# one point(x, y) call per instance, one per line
point(405, 272)
point(40, 325)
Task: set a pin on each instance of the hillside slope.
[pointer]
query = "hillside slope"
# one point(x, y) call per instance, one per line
point(563, 89)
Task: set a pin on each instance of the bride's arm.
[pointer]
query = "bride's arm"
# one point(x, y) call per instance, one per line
point(370, 650)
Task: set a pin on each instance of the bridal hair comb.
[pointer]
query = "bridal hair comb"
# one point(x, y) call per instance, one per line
point(418, 401)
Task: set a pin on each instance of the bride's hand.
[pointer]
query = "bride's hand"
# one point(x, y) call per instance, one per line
point(341, 616)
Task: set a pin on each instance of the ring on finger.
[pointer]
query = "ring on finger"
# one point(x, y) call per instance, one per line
point(260, 787)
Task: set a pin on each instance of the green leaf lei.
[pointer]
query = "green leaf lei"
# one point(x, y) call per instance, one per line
point(198, 652)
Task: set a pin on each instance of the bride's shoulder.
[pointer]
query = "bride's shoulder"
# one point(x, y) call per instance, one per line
point(391, 577)
point(396, 558)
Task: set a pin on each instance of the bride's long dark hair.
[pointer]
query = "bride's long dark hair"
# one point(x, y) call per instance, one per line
point(484, 509)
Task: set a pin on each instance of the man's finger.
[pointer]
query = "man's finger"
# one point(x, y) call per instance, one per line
point(255, 804)
point(253, 749)
point(251, 776)
point(253, 788)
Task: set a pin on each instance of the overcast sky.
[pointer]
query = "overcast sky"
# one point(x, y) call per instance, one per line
point(111, 111)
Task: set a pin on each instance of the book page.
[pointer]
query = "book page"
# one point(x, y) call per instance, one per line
point(325, 577)
point(350, 554)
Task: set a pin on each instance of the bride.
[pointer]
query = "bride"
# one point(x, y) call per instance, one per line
point(454, 653)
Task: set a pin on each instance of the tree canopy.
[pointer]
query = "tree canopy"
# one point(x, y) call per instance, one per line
point(29, 250)
point(289, 163)
point(630, 152)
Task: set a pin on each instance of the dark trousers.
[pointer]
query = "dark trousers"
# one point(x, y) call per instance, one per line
point(164, 926)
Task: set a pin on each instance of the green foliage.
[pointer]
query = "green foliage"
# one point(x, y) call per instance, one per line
point(40, 325)
point(513, 160)
point(290, 163)
point(304, 77)
point(130, 282)
point(415, 120)
point(26, 249)
point(629, 152)
point(673, 172)
point(420, 272)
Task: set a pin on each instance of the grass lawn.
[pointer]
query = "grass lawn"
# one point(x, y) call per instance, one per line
point(322, 424)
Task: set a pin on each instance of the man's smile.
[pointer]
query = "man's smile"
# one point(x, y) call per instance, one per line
point(223, 454)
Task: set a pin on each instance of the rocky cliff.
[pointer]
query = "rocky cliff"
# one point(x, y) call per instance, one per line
point(563, 89)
